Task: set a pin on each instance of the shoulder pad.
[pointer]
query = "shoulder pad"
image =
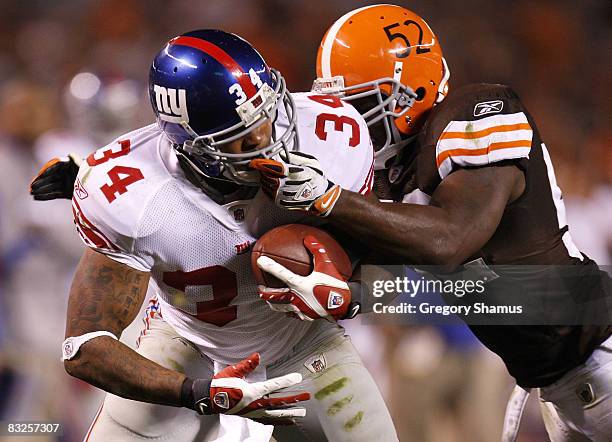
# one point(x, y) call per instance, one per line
point(111, 194)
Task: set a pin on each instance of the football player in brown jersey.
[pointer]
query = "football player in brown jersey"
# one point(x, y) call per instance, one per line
point(469, 179)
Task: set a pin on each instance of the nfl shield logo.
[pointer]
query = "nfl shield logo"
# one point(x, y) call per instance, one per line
point(221, 400)
point(316, 364)
point(335, 300)
point(307, 193)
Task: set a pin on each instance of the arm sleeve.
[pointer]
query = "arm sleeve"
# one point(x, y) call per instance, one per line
point(489, 126)
point(102, 238)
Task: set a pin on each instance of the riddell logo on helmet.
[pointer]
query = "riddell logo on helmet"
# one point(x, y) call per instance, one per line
point(171, 104)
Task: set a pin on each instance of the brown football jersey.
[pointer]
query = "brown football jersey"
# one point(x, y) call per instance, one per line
point(486, 125)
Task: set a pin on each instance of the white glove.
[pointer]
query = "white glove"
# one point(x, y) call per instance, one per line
point(229, 393)
point(322, 294)
point(297, 183)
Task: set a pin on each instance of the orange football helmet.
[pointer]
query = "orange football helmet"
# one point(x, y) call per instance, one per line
point(390, 53)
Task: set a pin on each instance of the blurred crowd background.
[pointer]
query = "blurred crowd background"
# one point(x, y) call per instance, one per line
point(73, 76)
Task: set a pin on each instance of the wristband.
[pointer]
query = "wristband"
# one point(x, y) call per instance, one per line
point(326, 202)
point(357, 292)
point(195, 394)
point(187, 393)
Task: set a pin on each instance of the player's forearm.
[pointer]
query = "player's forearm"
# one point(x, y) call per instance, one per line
point(114, 367)
point(417, 234)
point(106, 296)
point(463, 214)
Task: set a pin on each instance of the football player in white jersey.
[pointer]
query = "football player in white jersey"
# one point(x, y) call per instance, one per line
point(175, 205)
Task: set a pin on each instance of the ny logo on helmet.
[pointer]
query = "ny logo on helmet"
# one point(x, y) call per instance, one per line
point(170, 109)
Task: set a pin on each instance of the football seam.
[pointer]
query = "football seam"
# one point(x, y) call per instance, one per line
point(270, 255)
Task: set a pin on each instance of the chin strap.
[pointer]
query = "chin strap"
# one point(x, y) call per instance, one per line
point(220, 190)
point(196, 177)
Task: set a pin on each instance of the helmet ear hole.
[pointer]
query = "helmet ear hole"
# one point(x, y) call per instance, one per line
point(420, 93)
point(175, 69)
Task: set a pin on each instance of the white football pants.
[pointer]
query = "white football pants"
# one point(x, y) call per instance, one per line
point(345, 403)
point(578, 407)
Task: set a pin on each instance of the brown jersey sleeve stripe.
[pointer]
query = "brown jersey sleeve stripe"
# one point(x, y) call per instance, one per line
point(484, 132)
point(483, 151)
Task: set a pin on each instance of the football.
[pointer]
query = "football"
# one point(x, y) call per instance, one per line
point(285, 244)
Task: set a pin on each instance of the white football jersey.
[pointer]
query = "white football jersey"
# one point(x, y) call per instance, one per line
point(133, 203)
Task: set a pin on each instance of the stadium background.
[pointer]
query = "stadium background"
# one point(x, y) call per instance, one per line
point(73, 75)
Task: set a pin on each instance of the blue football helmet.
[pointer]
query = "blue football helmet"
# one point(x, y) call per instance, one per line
point(209, 88)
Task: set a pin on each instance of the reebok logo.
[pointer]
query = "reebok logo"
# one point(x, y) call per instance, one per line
point(488, 107)
point(79, 190)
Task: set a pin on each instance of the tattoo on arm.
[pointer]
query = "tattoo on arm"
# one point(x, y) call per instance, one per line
point(107, 295)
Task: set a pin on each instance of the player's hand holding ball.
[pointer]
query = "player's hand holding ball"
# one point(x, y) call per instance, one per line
point(309, 291)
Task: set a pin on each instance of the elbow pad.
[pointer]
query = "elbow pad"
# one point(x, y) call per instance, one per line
point(70, 347)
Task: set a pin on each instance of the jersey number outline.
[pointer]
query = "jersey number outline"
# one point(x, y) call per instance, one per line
point(121, 176)
point(224, 287)
point(339, 120)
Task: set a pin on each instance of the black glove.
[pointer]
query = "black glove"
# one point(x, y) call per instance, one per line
point(56, 179)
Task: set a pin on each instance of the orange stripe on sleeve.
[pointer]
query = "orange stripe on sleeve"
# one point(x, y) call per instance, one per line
point(475, 152)
point(481, 133)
